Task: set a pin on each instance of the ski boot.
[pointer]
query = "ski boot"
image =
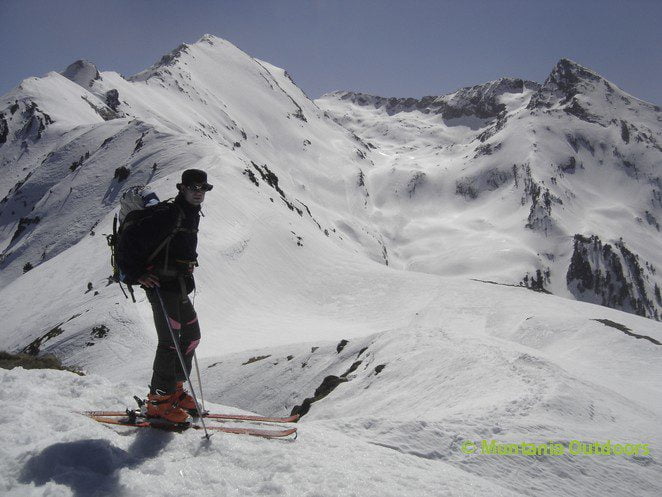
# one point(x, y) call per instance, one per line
point(165, 407)
point(185, 400)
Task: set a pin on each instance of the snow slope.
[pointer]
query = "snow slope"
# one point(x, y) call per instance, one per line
point(57, 452)
point(314, 235)
point(246, 116)
point(467, 362)
point(477, 362)
point(507, 179)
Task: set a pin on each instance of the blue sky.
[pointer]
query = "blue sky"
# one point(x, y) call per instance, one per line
point(406, 48)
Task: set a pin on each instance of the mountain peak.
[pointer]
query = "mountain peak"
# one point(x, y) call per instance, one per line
point(568, 72)
point(82, 72)
point(176, 56)
point(567, 79)
point(209, 38)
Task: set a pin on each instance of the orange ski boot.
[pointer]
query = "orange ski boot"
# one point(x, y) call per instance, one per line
point(163, 406)
point(184, 399)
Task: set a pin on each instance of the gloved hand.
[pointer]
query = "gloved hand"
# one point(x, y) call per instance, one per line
point(149, 280)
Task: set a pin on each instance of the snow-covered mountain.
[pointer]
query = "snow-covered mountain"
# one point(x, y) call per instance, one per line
point(555, 186)
point(337, 255)
point(68, 140)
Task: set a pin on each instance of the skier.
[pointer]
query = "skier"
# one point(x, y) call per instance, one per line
point(159, 253)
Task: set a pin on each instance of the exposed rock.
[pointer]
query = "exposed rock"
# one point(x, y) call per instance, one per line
point(480, 100)
point(255, 359)
point(36, 122)
point(251, 176)
point(569, 166)
point(625, 133)
point(466, 188)
point(104, 112)
point(4, 129)
point(496, 178)
point(626, 330)
point(328, 385)
point(139, 143)
point(416, 181)
point(578, 141)
point(610, 276)
point(113, 99)
point(271, 179)
point(486, 149)
point(82, 73)
point(161, 67)
point(121, 173)
point(540, 215)
point(489, 180)
point(652, 220)
point(577, 110)
point(537, 283)
point(23, 223)
point(494, 129)
point(33, 348)
point(566, 80)
point(100, 331)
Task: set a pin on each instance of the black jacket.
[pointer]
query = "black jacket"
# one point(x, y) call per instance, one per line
point(143, 231)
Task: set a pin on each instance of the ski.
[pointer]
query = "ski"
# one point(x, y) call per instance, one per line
point(251, 417)
point(218, 416)
point(139, 422)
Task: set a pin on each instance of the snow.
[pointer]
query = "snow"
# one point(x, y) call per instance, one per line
point(467, 177)
point(368, 265)
point(55, 451)
point(81, 72)
point(477, 362)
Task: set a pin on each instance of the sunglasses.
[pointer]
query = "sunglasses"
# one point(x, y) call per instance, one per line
point(200, 188)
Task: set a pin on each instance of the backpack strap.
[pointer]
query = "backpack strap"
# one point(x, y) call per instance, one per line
point(130, 288)
point(112, 240)
point(166, 241)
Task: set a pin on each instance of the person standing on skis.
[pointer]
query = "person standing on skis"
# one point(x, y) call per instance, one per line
point(159, 253)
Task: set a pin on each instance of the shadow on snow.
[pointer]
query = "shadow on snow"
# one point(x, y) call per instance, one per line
point(91, 467)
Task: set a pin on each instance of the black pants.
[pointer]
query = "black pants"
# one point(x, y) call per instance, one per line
point(184, 323)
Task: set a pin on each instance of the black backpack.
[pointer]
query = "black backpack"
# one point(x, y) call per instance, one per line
point(136, 205)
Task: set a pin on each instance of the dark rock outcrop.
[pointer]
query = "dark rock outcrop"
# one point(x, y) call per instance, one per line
point(566, 80)
point(611, 276)
point(35, 122)
point(113, 99)
point(4, 129)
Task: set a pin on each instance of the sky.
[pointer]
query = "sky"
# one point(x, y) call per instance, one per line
point(389, 48)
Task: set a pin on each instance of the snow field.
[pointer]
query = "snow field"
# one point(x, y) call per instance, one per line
point(53, 451)
point(292, 261)
point(513, 366)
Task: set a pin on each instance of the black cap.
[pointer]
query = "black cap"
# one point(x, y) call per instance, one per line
point(191, 176)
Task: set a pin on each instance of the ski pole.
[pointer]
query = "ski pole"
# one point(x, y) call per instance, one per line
point(197, 372)
point(181, 360)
